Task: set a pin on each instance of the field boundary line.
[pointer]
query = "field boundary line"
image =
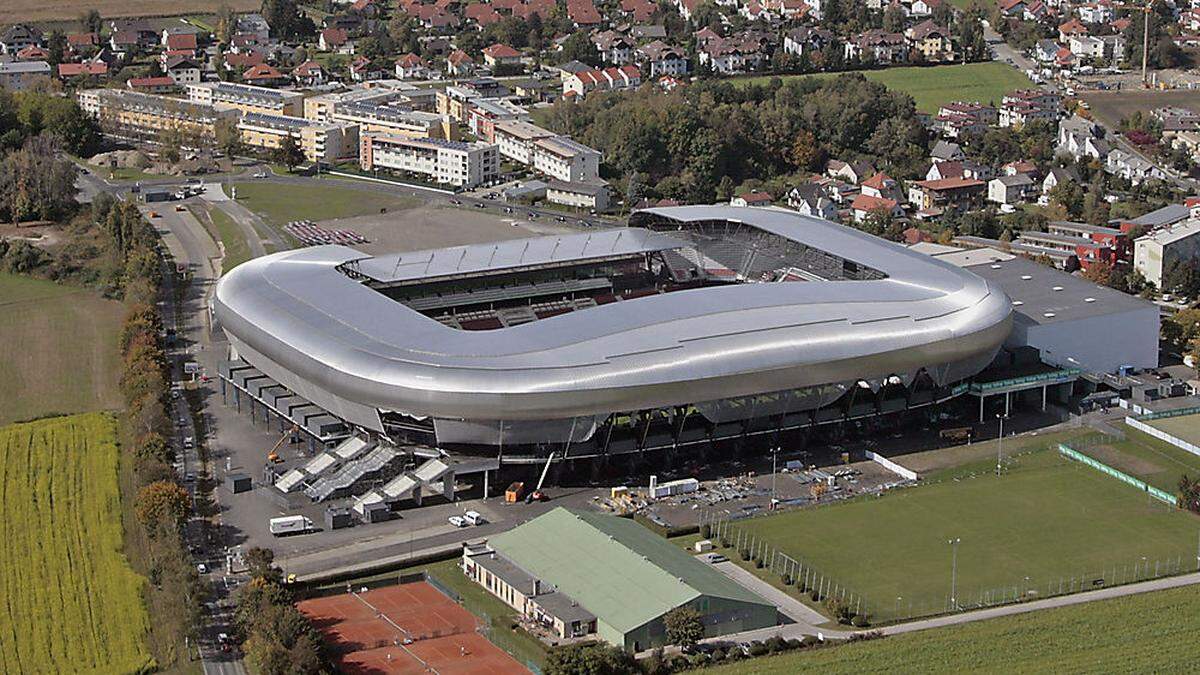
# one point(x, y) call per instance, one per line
point(1162, 435)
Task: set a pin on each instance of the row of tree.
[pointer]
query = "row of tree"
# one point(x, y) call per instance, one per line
point(278, 639)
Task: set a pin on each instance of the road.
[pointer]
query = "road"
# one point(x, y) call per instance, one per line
point(1002, 52)
point(191, 246)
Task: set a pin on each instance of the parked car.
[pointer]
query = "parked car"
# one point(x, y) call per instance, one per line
point(458, 521)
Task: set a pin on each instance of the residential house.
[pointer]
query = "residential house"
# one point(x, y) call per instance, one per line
point(93, 68)
point(984, 113)
point(1009, 190)
point(1096, 12)
point(182, 70)
point(811, 199)
point(264, 75)
point(1057, 176)
point(882, 186)
point(583, 13)
point(1046, 51)
point(309, 74)
point(614, 47)
point(363, 69)
point(501, 56)
point(752, 199)
point(1079, 137)
point(483, 14)
point(412, 67)
point(924, 8)
point(855, 172)
point(877, 46)
point(1132, 167)
point(18, 37)
point(948, 194)
point(806, 39)
point(931, 41)
point(729, 56)
point(865, 205)
point(944, 151)
point(254, 24)
point(659, 58)
point(459, 64)
point(335, 40)
point(18, 75)
point(1070, 29)
point(958, 169)
point(152, 85)
point(1086, 47)
point(180, 41)
point(625, 77)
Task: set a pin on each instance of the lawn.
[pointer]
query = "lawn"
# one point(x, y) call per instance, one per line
point(933, 86)
point(282, 203)
point(1141, 455)
point(58, 350)
point(1039, 529)
point(237, 251)
point(71, 601)
point(1152, 632)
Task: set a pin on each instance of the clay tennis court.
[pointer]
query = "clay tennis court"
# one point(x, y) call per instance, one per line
point(405, 629)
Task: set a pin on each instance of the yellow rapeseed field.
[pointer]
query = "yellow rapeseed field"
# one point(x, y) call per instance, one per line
point(69, 601)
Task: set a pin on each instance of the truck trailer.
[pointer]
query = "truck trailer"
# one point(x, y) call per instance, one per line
point(291, 525)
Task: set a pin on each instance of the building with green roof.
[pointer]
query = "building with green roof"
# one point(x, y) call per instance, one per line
point(583, 572)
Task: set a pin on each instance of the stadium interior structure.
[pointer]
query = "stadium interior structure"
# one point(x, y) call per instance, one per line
point(691, 326)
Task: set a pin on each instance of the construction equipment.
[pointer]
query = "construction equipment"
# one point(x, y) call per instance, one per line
point(273, 456)
point(514, 493)
point(537, 494)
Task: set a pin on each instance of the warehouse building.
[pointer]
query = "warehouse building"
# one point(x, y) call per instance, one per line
point(581, 573)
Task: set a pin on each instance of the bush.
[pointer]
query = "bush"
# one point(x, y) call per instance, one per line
point(705, 531)
point(745, 553)
point(795, 643)
point(859, 621)
point(776, 644)
point(717, 654)
point(724, 542)
point(868, 635)
point(758, 649)
point(815, 596)
point(758, 562)
point(809, 641)
point(787, 579)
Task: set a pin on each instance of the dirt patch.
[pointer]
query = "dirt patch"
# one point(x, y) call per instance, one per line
point(437, 227)
point(1137, 466)
point(42, 236)
point(1109, 107)
point(69, 10)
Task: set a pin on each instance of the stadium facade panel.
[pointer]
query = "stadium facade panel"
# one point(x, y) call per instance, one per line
point(722, 312)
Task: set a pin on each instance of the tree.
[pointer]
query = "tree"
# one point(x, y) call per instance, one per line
point(893, 19)
point(684, 627)
point(285, 19)
point(261, 561)
point(1099, 273)
point(226, 24)
point(289, 153)
point(90, 22)
point(1069, 196)
point(595, 658)
point(160, 504)
point(228, 138)
point(579, 47)
point(1189, 493)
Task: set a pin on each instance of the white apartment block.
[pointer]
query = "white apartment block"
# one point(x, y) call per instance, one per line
point(563, 159)
point(464, 165)
point(247, 98)
point(1154, 253)
point(515, 139)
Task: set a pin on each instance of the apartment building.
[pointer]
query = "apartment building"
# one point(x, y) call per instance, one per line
point(566, 160)
point(137, 115)
point(395, 120)
point(17, 75)
point(247, 98)
point(321, 141)
point(515, 139)
point(463, 165)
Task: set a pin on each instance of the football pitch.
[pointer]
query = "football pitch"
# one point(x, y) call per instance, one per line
point(1184, 427)
point(1047, 526)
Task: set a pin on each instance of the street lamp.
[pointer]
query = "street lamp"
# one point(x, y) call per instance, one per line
point(954, 571)
point(774, 453)
point(1000, 442)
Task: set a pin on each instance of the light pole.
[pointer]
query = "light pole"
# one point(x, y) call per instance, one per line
point(954, 571)
point(774, 453)
point(1000, 442)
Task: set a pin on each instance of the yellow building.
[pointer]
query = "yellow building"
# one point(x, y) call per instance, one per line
point(324, 142)
point(247, 98)
point(146, 116)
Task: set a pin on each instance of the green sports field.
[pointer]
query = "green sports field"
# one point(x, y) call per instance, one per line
point(71, 603)
point(1153, 632)
point(1185, 427)
point(330, 198)
point(1029, 533)
point(933, 86)
point(1141, 455)
point(58, 349)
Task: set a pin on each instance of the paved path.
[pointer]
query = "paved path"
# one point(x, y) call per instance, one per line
point(251, 224)
point(797, 611)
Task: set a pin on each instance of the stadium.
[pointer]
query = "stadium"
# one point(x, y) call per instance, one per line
point(691, 325)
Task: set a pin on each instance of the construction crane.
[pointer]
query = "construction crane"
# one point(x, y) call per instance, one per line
point(273, 456)
point(537, 495)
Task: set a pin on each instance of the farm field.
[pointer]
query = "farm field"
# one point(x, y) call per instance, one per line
point(71, 601)
point(69, 10)
point(933, 86)
point(282, 203)
point(1151, 632)
point(1043, 527)
point(58, 349)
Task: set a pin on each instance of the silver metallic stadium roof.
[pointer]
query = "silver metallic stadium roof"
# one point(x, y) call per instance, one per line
point(353, 350)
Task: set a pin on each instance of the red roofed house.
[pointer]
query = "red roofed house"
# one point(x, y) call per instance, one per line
point(1071, 28)
point(752, 199)
point(182, 70)
point(264, 75)
point(151, 85)
point(883, 186)
point(182, 41)
point(501, 55)
point(864, 205)
point(309, 74)
point(412, 67)
point(33, 53)
point(583, 13)
point(335, 40)
point(625, 77)
point(85, 69)
point(482, 14)
point(459, 64)
point(240, 62)
point(80, 40)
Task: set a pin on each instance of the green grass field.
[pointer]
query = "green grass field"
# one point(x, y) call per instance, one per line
point(58, 350)
point(1045, 522)
point(1185, 427)
point(281, 203)
point(933, 86)
point(71, 603)
point(237, 251)
point(1153, 632)
point(1141, 455)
